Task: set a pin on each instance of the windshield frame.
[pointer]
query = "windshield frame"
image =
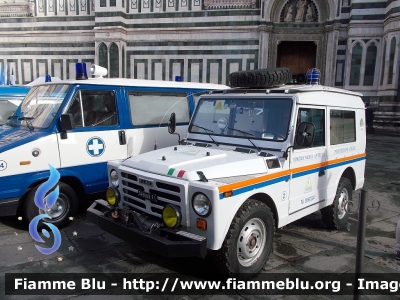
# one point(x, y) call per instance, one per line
point(237, 135)
point(40, 114)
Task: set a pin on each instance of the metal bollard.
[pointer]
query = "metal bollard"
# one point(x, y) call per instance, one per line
point(362, 219)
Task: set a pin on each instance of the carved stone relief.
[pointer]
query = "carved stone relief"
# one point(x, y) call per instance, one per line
point(17, 9)
point(299, 11)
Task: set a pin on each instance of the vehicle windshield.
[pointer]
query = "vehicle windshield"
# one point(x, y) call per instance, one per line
point(265, 119)
point(41, 105)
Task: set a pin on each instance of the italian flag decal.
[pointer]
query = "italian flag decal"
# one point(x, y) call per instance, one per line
point(178, 173)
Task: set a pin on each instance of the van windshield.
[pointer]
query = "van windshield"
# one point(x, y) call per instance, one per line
point(41, 105)
point(265, 119)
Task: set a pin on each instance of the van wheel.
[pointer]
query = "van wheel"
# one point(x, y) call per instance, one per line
point(64, 208)
point(336, 215)
point(249, 240)
point(260, 78)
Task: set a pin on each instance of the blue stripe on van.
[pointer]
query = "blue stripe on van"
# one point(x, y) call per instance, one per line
point(94, 177)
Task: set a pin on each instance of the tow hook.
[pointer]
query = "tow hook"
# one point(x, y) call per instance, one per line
point(115, 214)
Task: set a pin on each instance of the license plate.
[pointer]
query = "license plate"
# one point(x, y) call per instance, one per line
point(147, 196)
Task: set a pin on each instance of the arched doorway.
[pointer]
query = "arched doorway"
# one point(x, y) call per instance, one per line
point(299, 56)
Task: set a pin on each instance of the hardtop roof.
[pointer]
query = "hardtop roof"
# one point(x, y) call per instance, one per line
point(305, 94)
point(144, 83)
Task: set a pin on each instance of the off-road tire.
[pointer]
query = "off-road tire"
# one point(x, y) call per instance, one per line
point(260, 78)
point(336, 215)
point(226, 259)
point(69, 201)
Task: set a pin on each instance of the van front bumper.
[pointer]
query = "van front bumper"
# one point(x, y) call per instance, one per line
point(8, 207)
point(163, 241)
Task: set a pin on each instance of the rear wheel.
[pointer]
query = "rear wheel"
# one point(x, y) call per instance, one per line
point(65, 206)
point(336, 215)
point(249, 240)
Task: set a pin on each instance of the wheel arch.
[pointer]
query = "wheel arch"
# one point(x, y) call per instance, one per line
point(350, 175)
point(267, 200)
point(72, 181)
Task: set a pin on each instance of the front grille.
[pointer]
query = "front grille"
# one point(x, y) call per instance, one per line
point(139, 192)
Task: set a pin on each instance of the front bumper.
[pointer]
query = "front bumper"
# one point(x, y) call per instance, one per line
point(8, 207)
point(163, 241)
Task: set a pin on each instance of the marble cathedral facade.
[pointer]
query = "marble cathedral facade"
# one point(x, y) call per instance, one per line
point(355, 43)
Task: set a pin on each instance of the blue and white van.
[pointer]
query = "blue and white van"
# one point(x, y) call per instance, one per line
point(77, 127)
point(10, 98)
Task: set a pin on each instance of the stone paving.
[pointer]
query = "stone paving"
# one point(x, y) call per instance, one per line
point(304, 246)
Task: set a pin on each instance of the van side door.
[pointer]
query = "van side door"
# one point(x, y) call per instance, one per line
point(96, 139)
point(308, 165)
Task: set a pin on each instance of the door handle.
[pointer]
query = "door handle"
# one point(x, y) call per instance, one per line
point(321, 173)
point(122, 139)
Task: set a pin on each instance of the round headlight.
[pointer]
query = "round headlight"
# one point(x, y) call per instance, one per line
point(112, 196)
point(201, 205)
point(171, 216)
point(114, 177)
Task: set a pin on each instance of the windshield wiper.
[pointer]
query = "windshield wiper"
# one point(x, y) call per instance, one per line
point(28, 121)
point(246, 134)
point(11, 122)
point(206, 130)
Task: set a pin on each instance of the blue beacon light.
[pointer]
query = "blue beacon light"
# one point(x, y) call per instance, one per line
point(178, 78)
point(313, 76)
point(47, 78)
point(80, 71)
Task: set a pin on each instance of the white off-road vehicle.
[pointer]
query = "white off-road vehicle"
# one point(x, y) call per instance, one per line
point(256, 157)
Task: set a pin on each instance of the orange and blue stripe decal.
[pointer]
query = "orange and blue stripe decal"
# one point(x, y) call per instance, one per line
point(269, 179)
point(254, 183)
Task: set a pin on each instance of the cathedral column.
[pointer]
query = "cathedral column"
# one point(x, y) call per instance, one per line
point(332, 37)
point(265, 33)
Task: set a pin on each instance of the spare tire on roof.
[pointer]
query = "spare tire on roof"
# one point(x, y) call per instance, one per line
point(260, 78)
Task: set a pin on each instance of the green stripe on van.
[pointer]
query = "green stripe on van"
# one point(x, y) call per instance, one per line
point(171, 171)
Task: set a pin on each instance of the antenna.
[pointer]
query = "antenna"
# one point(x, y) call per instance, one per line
point(193, 94)
point(159, 125)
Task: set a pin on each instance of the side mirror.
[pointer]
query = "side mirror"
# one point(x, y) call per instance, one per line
point(172, 123)
point(172, 127)
point(305, 134)
point(67, 123)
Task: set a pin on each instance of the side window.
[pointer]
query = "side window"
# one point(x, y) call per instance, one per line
point(154, 108)
point(343, 128)
point(93, 108)
point(317, 117)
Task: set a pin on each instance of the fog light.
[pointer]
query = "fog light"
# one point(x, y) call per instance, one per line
point(112, 196)
point(171, 216)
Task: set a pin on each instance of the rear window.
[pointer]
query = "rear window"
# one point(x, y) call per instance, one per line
point(342, 127)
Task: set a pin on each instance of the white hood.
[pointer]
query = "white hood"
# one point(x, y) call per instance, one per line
point(185, 161)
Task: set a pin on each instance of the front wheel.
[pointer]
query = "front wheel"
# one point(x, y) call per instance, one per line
point(65, 206)
point(336, 215)
point(249, 241)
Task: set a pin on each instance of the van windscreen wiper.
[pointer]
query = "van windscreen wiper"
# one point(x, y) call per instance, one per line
point(11, 120)
point(28, 121)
